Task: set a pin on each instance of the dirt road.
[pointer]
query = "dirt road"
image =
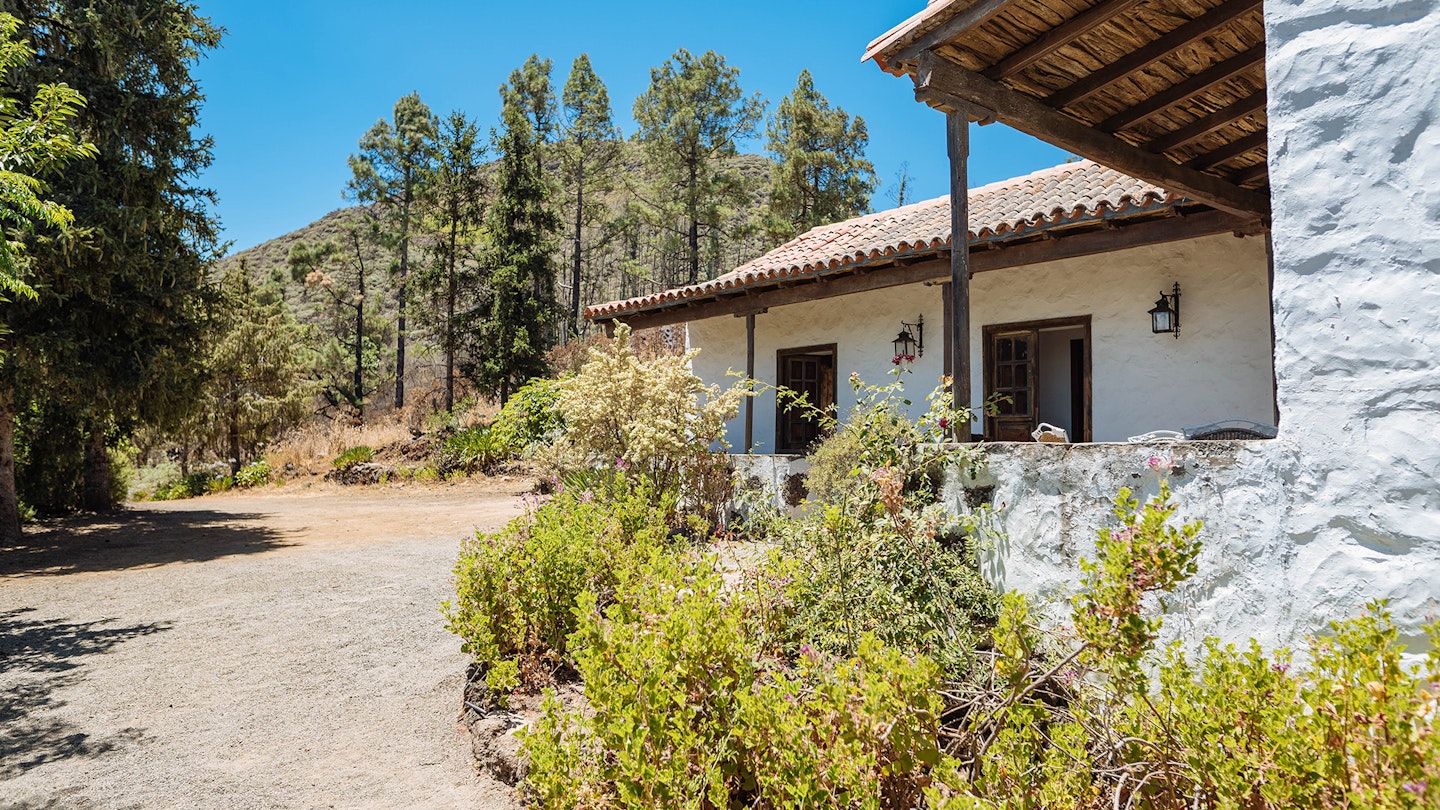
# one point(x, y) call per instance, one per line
point(267, 650)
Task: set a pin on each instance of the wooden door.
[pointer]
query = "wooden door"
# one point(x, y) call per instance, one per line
point(1010, 373)
point(811, 374)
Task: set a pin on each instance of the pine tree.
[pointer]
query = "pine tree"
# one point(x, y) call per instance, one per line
point(531, 92)
point(455, 211)
point(821, 174)
point(256, 383)
point(691, 118)
point(115, 336)
point(517, 331)
point(395, 159)
point(590, 148)
point(348, 360)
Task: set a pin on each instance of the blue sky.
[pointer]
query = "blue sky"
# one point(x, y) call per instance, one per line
point(296, 84)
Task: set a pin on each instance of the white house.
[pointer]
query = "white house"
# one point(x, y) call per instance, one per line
point(1314, 118)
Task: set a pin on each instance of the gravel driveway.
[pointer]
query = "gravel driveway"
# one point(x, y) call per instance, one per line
point(242, 651)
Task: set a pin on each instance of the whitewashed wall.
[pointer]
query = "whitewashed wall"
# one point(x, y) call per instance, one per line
point(1220, 367)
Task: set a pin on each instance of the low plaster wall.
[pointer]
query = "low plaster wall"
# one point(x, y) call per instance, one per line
point(777, 479)
point(1257, 577)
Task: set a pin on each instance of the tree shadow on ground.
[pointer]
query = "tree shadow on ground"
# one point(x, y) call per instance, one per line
point(135, 539)
point(38, 657)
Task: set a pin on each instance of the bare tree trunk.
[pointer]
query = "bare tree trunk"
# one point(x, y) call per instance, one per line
point(234, 438)
point(450, 295)
point(9, 500)
point(575, 272)
point(95, 494)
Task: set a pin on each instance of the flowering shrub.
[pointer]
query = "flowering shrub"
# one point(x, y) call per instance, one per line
point(656, 414)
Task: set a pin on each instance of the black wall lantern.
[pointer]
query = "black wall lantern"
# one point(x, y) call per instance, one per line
point(1165, 317)
point(909, 345)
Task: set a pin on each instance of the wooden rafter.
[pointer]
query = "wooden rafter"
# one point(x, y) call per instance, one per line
point(1251, 174)
point(953, 27)
point(1029, 115)
point(1229, 151)
point(1187, 33)
point(1208, 124)
point(1193, 86)
point(1059, 37)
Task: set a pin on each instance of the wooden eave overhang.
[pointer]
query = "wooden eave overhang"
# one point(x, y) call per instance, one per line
point(1169, 91)
point(1102, 233)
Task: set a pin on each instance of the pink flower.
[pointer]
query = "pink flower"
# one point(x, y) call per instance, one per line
point(622, 464)
point(1158, 464)
point(944, 423)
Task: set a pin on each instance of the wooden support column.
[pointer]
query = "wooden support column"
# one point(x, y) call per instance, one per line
point(957, 126)
point(749, 376)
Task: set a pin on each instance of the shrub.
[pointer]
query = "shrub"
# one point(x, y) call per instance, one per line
point(655, 416)
point(353, 456)
point(475, 449)
point(530, 416)
point(190, 486)
point(254, 474)
point(517, 589)
point(684, 714)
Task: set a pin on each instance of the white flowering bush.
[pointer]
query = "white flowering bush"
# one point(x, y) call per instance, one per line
point(654, 417)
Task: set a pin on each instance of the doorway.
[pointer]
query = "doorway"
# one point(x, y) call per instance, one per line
point(1038, 372)
point(809, 371)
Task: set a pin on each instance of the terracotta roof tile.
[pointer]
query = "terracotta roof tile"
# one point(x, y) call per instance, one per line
point(1060, 195)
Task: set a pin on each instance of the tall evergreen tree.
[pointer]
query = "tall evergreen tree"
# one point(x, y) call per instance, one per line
point(346, 362)
point(522, 227)
point(532, 93)
point(821, 174)
point(115, 335)
point(590, 149)
point(395, 159)
point(691, 118)
point(456, 209)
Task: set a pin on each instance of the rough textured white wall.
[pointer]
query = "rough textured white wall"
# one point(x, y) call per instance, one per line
point(1219, 367)
point(1354, 116)
point(862, 326)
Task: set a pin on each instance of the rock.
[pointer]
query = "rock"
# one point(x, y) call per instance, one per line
point(497, 749)
point(368, 473)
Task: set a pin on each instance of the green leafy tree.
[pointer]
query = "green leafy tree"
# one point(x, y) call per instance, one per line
point(395, 159)
point(257, 368)
point(456, 209)
point(590, 150)
point(517, 330)
point(115, 335)
point(691, 118)
point(33, 142)
point(821, 174)
point(531, 91)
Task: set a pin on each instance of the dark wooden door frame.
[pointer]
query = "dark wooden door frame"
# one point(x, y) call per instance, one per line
point(1081, 321)
point(832, 349)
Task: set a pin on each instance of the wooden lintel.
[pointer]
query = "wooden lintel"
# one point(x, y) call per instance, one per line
point(1060, 36)
point(1251, 173)
point(1029, 115)
point(975, 15)
point(1201, 127)
point(1189, 88)
point(1188, 32)
point(1229, 151)
point(984, 257)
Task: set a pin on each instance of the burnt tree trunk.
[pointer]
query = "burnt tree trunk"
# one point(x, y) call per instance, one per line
point(95, 490)
point(9, 500)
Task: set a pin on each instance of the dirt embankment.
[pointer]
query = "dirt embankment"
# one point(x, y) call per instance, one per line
point(273, 649)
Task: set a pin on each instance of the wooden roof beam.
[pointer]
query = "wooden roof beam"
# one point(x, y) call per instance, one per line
point(1030, 116)
point(1059, 36)
point(1180, 37)
point(1229, 151)
point(1193, 86)
point(1204, 126)
point(976, 14)
point(1250, 174)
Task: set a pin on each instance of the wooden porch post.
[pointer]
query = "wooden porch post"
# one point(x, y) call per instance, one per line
point(957, 125)
point(750, 376)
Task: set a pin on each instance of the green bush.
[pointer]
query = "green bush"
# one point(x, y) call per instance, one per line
point(517, 589)
point(353, 456)
point(684, 713)
point(189, 486)
point(476, 449)
point(531, 416)
point(254, 474)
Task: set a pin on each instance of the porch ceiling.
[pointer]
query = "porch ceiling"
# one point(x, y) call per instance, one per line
point(1170, 91)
